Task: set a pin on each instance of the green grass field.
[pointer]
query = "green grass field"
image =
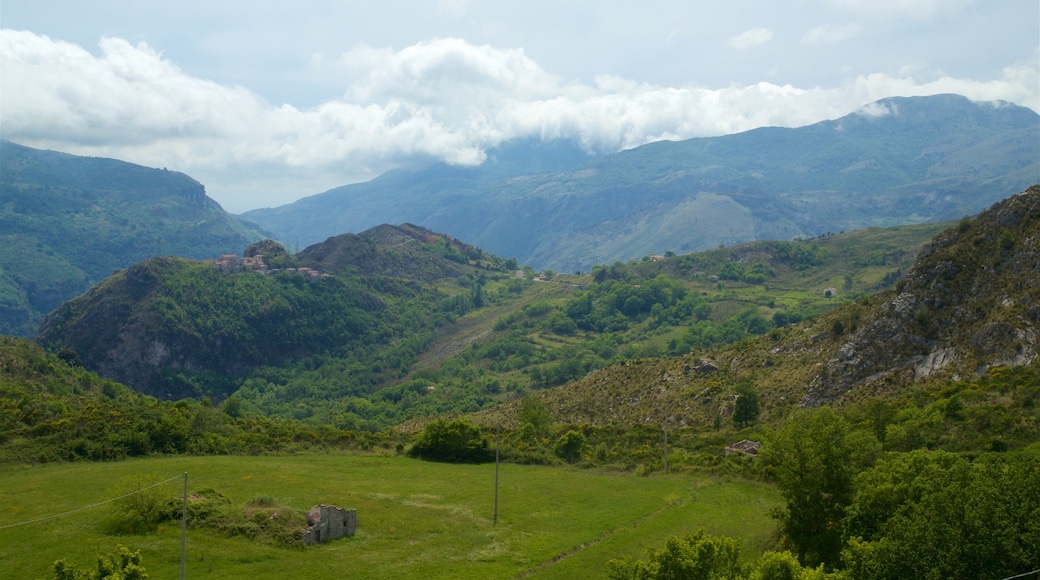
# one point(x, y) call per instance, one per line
point(415, 519)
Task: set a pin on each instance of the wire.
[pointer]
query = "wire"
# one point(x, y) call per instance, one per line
point(91, 506)
point(1023, 574)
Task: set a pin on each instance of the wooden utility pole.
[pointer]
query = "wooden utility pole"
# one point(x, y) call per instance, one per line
point(498, 430)
point(184, 525)
point(666, 439)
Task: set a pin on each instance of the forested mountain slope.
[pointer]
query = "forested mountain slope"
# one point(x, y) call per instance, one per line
point(174, 327)
point(67, 222)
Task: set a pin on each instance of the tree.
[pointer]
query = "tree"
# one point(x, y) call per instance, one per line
point(814, 461)
point(928, 514)
point(455, 441)
point(570, 447)
point(534, 411)
point(746, 410)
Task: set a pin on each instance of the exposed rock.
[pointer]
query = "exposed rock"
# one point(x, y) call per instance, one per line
point(969, 303)
point(705, 365)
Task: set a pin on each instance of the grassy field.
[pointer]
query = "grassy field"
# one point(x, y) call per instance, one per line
point(415, 519)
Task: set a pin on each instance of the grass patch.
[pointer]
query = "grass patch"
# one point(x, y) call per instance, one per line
point(416, 519)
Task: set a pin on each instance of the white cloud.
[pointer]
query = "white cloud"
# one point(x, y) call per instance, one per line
point(442, 99)
point(750, 38)
point(830, 34)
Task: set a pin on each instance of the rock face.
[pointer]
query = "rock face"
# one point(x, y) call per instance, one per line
point(328, 522)
point(970, 302)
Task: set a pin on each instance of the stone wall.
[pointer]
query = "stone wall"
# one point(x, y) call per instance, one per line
point(328, 522)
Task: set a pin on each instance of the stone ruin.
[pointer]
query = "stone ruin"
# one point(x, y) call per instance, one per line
point(328, 522)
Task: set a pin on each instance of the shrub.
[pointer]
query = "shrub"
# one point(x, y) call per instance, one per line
point(125, 565)
point(570, 447)
point(455, 441)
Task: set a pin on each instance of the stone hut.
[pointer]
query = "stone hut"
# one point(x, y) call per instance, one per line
point(328, 522)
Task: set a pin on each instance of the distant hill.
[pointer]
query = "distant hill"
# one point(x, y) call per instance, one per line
point(173, 327)
point(969, 304)
point(67, 222)
point(365, 330)
point(896, 161)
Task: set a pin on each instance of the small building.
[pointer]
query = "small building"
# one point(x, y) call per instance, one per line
point(745, 447)
point(830, 292)
point(328, 522)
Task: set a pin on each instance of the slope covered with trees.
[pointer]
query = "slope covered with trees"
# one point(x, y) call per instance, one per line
point(67, 222)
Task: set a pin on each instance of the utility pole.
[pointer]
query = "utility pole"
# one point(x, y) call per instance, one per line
point(498, 431)
point(184, 525)
point(666, 439)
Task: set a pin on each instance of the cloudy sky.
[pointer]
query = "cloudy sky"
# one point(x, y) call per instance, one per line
point(266, 102)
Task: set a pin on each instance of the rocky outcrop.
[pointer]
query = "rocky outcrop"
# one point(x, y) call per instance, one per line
point(969, 303)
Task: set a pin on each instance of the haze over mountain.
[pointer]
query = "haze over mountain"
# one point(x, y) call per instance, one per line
point(66, 222)
point(896, 161)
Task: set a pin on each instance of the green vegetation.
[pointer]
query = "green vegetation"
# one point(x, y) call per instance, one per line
point(53, 411)
point(67, 222)
point(416, 519)
point(393, 330)
point(455, 441)
point(918, 457)
point(698, 556)
point(125, 565)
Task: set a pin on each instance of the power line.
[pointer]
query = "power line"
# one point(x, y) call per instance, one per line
point(90, 506)
point(1023, 575)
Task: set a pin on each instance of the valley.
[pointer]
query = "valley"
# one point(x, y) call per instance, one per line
point(805, 406)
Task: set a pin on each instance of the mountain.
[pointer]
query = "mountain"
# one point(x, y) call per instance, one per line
point(67, 222)
point(895, 161)
point(400, 322)
point(174, 328)
point(967, 308)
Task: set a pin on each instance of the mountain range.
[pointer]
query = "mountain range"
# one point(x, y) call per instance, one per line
point(895, 161)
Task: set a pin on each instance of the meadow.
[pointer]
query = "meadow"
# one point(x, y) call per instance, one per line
point(416, 519)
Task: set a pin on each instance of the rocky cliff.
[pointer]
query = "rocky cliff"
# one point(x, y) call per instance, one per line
point(971, 301)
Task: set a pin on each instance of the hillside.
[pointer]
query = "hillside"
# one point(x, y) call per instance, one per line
point(174, 327)
point(400, 322)
point(968, 306)
point(67, 222)
point(897, 161)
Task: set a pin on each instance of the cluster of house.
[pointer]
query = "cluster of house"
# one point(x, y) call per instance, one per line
point(230, 263)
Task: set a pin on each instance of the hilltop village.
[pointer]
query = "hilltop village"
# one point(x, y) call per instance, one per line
point(232, 263)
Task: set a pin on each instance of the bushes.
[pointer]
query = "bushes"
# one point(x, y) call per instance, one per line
point(125, 565)
point(455, 441)
point(697, 556)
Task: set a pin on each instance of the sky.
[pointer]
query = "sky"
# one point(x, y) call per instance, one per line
point(267, 102)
